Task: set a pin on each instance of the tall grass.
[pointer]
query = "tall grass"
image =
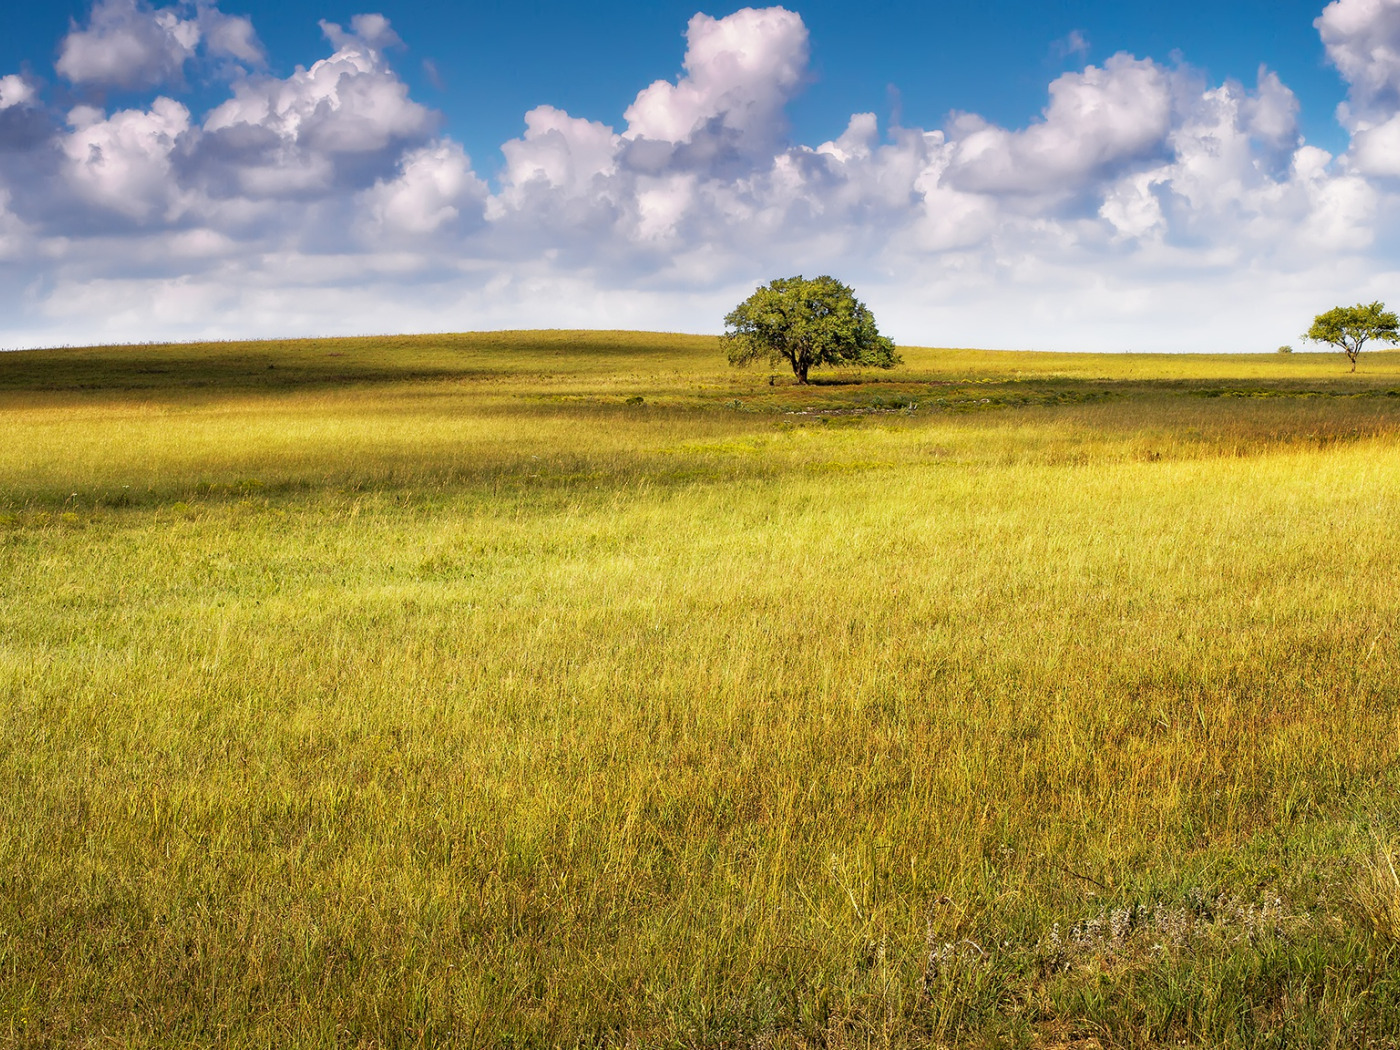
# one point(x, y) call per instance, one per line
point(561, 690)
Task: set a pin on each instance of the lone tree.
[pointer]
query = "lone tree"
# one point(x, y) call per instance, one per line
point(806, 323)
point(1349, 328)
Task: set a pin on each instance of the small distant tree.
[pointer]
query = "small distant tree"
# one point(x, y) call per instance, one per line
point(1349, 328)
point(806, 323)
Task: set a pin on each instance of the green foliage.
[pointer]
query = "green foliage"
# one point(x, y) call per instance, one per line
point(1349, 328)
point(806, 323)
point(1285, 349)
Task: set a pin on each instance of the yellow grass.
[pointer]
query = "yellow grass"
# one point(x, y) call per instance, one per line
point(562, 689)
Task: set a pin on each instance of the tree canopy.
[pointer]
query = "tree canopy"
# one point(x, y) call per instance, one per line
point(1349, 328)
point(806, 323)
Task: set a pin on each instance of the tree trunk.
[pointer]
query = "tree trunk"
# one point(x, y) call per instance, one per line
point(800, 368)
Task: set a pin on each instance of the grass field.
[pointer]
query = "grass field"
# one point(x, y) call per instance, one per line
point(573, 689)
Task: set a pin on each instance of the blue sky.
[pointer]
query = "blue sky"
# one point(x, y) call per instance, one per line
point(497, 59)
point(1092, 174)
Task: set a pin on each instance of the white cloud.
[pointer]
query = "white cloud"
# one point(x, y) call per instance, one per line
point(856, 142)
point(1362, 38)
point(740, 72)
point(1342, 211)
point(1375, 148)
point(435, 188)
point(1145, 208)
point(1096, 120)
point(373, 31)
point(1075, 43)
point(1135, 167)
point(1133, 207)
point(15, 237)
point(663, 202)
point(347, 118)
point(122, 163)
point(231, 36)
point(1240, 186)
point(1270, 115)
point(564, 153)
point(15, 91)
point(128, 44)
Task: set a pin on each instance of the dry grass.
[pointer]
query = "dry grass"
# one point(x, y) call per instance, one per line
point(445, 693)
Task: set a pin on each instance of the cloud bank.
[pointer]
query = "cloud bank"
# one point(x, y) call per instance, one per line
point(1146, 208)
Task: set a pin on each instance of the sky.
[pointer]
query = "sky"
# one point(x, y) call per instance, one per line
point(1090, 175)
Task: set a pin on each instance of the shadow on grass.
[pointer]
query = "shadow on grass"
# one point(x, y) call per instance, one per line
point(301, 364)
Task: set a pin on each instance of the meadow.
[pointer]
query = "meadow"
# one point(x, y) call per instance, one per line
point(566, 689)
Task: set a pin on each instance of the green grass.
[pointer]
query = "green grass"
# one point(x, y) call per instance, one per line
point(563, 689)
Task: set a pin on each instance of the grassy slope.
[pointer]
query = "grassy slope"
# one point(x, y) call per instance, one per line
point(558, 688)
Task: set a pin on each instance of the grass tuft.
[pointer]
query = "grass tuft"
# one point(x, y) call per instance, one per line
point(1375, 895)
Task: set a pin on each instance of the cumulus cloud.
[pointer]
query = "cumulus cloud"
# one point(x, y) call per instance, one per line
point(372, 31)
point(343, 122)
point(1239, 182)
point(1133, 165)
point(122, 163)
point(25, 123)
point(698, 157)
point(129, 44)
point(1097, 120)
point(231, 37)
point(1270, 115)
point(1127, 152)
point(1139, 209)
point(692, 156)
point(15, 91)
point(1375, 148)
point(1362, 38)
point(561, 153)
point(434, 189)
point(740, 73)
